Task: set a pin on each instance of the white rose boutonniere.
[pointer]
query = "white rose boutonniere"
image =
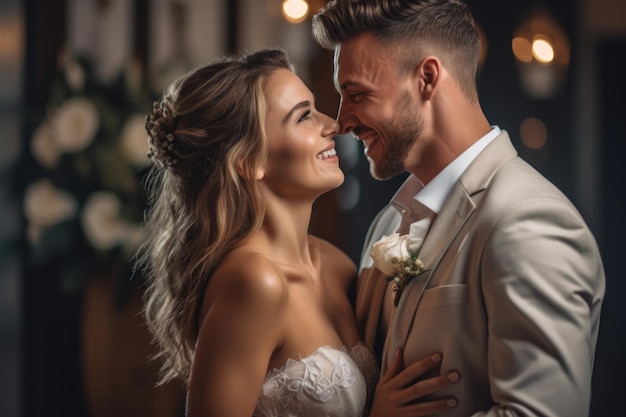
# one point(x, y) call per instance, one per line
point(397, 257)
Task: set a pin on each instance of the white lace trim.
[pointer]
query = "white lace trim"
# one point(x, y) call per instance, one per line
point(366, 361)
point(328, 382)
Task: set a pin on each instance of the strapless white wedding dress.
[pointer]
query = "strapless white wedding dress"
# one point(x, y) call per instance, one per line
point(329, 382)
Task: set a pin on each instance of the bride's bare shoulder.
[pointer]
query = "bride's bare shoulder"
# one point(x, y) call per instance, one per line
point(244, 303)
point(247, 275)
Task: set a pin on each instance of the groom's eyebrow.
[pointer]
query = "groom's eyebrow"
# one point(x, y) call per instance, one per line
point(302, 105)
point(347, 85)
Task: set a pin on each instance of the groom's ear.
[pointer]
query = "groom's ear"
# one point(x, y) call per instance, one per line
point(427, 75)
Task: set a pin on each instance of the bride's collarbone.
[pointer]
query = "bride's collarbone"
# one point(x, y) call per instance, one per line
point(305, 290)
point(314, 276)
point(314, 302)
point(298, 273)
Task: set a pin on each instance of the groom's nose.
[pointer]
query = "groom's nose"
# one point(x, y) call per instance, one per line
point(346, 119)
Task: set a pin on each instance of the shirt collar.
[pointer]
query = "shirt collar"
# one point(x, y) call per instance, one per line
point(435, 192)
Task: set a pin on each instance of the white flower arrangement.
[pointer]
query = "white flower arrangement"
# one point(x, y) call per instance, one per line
point(396, 256)
point(83, 200)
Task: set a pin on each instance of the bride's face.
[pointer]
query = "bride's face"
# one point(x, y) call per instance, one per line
point(301, 150)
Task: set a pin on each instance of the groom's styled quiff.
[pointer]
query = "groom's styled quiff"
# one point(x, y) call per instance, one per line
point(411, 29)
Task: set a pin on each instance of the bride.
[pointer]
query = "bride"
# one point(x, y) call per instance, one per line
point(251, 311)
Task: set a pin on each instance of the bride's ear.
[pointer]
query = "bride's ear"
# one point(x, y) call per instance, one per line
point(259, 174)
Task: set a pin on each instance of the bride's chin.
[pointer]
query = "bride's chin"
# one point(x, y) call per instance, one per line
point(340, 181)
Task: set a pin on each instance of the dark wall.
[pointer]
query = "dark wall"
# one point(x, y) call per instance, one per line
point(609, 388)
point(50, 371)
point(504, 101)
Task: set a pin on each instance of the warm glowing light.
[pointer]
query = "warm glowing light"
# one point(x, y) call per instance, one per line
point(533, 132)
point(522, 49)
point(542, 54)
point(295, 11)
point(543, 50)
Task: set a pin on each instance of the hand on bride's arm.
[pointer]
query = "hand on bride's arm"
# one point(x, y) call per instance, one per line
point(399, 390)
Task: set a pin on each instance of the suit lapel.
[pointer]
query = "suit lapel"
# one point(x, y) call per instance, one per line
point(456, 211)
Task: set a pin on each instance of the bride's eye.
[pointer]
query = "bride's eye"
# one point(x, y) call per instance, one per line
point(304, 116)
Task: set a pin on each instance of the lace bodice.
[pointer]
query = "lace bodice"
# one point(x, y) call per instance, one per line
point(329, 382)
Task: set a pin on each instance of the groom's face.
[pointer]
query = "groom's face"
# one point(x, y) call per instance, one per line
point(376, 104)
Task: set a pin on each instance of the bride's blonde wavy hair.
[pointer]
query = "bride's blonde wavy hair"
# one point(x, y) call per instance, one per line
point(207, 141)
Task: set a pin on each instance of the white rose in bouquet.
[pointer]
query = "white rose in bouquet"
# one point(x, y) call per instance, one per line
point(75, 124)
point(101, 220)
point(46, 205)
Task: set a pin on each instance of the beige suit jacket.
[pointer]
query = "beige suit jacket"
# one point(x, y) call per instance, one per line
point(511, 296)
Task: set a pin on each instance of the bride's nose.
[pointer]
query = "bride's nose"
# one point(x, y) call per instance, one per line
point(331, 126)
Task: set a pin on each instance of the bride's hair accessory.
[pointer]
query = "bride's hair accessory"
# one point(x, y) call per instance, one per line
point(160, 128)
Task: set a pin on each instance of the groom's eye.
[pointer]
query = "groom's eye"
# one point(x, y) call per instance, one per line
point(355, 97)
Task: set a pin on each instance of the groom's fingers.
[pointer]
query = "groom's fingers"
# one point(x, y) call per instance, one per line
point(429, 408)
point(394, 368)
point(412, 372)
point(430, 385)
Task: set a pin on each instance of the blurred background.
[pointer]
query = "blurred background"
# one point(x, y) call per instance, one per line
point(77, 78)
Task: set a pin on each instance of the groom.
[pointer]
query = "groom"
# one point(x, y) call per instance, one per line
point(513, 280)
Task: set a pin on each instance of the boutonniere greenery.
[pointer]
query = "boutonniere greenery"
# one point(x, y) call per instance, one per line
point(397, 257)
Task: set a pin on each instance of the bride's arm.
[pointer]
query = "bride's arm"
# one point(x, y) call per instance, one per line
point(240, 328)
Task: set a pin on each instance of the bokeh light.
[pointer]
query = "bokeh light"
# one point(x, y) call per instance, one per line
point(533, 132)
point(295, 11)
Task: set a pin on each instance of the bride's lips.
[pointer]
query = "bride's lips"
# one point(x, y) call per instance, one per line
point(328, 153)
